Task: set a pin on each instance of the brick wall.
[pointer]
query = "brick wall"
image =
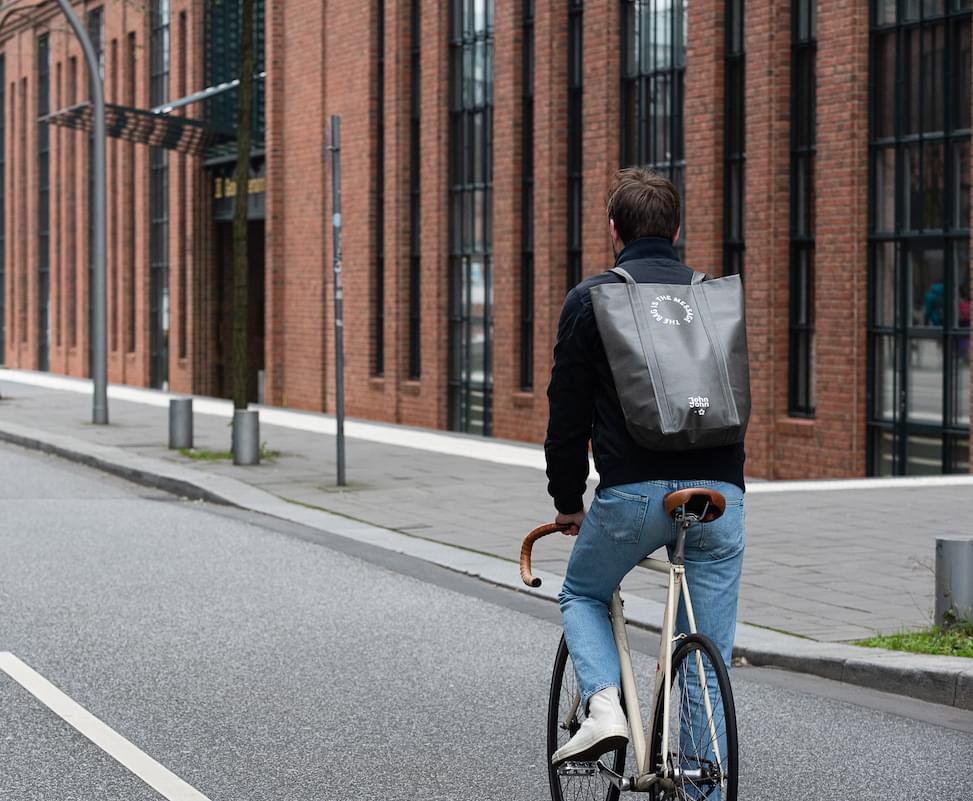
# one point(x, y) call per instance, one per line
point(322, 60)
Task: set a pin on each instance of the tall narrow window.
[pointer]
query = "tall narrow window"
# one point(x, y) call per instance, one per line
point(21, 206)
point(470, 375)
point(378, 277)
point(575, 150)
point(130, 294)
point(113, 211)
point(415, 199)
point(96, 30)
point(159, 205)
point(3, 206)
point(72, 262)
point(919, 238)
point(43, 205)
point(183, 202)
point(803, 125)
point(653, 78)
point(735, 141)
point(527, 205)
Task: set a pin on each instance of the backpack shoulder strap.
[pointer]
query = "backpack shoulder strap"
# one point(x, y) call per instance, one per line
point(699, 277)
point(625, 275)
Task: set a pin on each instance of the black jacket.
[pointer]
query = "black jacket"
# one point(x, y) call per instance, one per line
point(584, 404)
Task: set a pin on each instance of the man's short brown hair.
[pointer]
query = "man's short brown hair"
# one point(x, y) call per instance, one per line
point(643, 203)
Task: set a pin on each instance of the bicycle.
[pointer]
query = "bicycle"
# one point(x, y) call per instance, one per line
point(688, 750)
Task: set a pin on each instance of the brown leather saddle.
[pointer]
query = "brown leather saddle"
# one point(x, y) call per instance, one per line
point(702, 503)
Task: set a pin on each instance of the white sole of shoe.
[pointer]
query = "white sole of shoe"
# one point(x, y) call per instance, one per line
point(593, 751)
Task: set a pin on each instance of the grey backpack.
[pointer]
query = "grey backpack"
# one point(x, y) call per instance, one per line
point(678, 354)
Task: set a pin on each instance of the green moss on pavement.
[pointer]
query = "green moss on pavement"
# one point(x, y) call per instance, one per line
point(956, 640)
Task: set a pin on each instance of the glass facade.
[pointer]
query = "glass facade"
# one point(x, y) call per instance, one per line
point(43, 206)
point(654, 39)
point(575, 137)
point(527, 204)
point(415, 197)
point(735, 143)
point(378, 275)
point(800, 393)
point(470, 371)
point(221, 63)
point(159, 205)
point(919, 241)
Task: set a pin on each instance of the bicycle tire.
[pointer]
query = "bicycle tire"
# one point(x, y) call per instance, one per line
point(684, 675)
point(568, 787)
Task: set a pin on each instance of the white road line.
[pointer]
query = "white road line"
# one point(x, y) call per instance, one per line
point(482, 449)
point(107, 739)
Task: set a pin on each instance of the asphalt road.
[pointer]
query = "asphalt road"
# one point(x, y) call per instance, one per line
point(258, 660)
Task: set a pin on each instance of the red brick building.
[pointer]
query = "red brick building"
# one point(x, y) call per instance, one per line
point(823, 151)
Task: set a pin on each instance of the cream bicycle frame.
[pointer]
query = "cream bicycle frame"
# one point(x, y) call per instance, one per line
point(646, 775)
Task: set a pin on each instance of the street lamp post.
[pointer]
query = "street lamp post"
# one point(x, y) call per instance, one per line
point(99, 313)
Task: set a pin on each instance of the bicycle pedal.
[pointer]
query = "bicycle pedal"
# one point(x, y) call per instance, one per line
point(577, 769)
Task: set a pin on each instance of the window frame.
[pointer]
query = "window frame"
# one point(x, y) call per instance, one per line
point(801, 400)
point(637, 144)
point(470, 240)
point(527, 201)
point(575, 137)
point(734, 137)
point(896, 432)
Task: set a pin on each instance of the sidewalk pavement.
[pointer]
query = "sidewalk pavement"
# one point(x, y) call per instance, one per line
point(826, 563)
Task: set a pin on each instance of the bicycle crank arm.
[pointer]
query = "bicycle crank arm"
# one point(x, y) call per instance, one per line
point(616, 778)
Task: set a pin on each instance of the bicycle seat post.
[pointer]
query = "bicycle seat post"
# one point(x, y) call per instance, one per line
point(685, 520)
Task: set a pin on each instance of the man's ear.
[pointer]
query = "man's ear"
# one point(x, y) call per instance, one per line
point(676, 237)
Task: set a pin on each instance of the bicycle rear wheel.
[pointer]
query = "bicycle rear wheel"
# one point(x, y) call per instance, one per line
point(574, 780)
point(702, 750)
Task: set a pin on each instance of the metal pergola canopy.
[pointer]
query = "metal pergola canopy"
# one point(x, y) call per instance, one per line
point(145, 127)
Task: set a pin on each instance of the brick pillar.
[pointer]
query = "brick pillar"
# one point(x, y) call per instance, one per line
point(507, 162)
point(274, 230)
point(300, 253)
point(704, 136)
point(841, 258)
point(600, 114)
point(550, 192)
point(766, 221)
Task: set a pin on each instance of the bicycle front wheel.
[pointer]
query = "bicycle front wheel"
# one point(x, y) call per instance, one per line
point(701, 755)
point(574, 780)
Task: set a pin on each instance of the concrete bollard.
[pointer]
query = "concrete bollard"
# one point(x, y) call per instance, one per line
point(954, 580)
point(180, 423)
point(246, 436)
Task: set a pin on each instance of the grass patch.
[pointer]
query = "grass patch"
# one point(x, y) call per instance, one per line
point(206, 455)
point(956, 640)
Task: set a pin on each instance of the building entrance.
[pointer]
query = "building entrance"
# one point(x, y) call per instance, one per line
point(255, 309)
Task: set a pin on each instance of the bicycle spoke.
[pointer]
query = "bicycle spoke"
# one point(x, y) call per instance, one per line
point(576, 781)
point(698, 750)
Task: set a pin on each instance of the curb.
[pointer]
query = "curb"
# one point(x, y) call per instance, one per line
point(937, 679)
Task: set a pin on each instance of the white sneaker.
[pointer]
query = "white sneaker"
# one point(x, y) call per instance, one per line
point(605, 729)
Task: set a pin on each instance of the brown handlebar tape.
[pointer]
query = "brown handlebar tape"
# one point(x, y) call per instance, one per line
point(541, 531)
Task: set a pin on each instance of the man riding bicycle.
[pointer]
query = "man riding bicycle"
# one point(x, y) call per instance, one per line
point(627, 521)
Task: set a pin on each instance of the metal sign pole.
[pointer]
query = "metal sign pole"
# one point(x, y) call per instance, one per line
point(99, 318)
point(339, 343)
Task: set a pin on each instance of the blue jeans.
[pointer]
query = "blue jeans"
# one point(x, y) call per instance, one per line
point(624, 525)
